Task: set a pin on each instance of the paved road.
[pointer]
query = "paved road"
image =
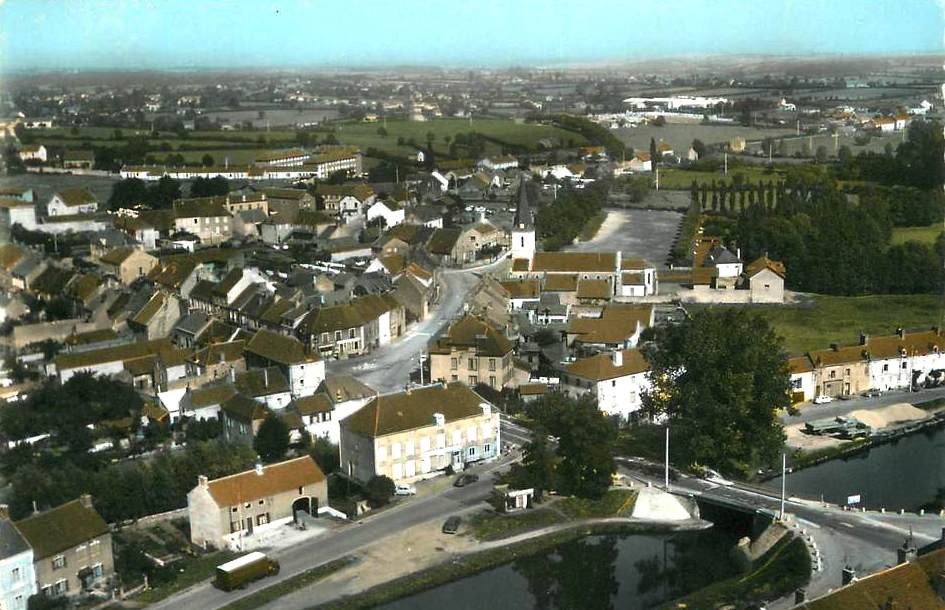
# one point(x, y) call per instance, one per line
point(388, 368)
point(426, 506)
point(842, 407)
point(645, 234)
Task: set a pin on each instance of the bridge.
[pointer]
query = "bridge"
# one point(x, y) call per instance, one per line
point(867, 541)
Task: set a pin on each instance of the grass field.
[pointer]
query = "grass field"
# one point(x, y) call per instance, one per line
point(675, 178)
point(830, 319)
point(925, 235)
point(523, 134)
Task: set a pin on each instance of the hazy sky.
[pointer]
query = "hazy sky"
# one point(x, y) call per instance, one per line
point(56, 34)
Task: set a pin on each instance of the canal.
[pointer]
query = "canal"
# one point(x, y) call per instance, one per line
point(907, 473)
point(631, 572)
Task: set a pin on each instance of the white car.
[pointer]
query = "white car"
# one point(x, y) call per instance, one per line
point(405, 490)
point(822, 399)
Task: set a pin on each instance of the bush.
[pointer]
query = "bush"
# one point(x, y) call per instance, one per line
point(379, 490)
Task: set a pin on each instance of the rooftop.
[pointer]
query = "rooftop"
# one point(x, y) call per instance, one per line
point(413, 410)
point(62, 528)
point(275, 479)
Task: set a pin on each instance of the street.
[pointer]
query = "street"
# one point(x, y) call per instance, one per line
point(387, 369)
point(842, 407)
point(436, 506)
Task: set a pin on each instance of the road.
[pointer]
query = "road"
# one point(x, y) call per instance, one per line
point(341, 542)
point(387, 368)
point(842, 407)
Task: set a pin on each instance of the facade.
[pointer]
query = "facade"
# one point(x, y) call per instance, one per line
point(205, 217)
point(17, 579)
point(127, 264)
point(72, 548)
point(354, 328)
point(224, 512)
point(16, 211)
point(766, 280)
point(33, 153)
point(392, 213)
point(472, 352)
point(418, 433)
point(617, 380)
point(72, 201)
point(303, 369)
point(78, 159)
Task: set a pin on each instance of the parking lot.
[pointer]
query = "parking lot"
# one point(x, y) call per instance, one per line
point(646, 234)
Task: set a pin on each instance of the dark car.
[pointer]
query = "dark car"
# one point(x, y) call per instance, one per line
point(465, 479)
point(451, 526)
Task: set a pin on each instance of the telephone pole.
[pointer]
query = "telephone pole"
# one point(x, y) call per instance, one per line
point(783, 482)
point(666, 462)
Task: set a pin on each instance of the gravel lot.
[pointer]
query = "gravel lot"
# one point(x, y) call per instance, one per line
point(647, 234)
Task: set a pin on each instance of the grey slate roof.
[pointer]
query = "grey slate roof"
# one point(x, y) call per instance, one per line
point(524, 217)
point(11, 541)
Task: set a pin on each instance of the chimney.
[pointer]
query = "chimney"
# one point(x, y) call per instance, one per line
point(259, 467)
point(864, 338)
point(738, 253)
point(86, 500)
point(439, 420)
point(848, 576)
point(265, 378)
point(202, 480)
point(486, 409)
point(617, 357)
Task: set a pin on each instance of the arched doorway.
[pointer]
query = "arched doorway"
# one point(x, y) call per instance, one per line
point(301, 505)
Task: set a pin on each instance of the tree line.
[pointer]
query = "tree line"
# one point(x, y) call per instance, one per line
point(558, 223)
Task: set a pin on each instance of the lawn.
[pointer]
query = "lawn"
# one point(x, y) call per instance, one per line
point(294, 583)
point(191, 570)
point(495, 526)
point(925, 235)
point(829, 319)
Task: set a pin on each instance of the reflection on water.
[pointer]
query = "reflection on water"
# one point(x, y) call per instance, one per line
point(908, 473)
point(614, 571)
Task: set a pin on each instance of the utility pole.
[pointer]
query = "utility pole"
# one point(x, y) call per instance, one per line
point(657, 178)
point(783, 481)
point(798, 128)
point(725, 157)
point(420, 358)
point(666, 462)
point(836, 142)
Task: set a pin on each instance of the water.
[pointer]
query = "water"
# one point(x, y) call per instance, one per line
point(908, 473)
point(629, 572)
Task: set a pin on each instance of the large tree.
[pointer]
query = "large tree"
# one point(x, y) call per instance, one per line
point(719, 379)
point(272, 439)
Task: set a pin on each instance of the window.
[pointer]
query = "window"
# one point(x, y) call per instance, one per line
point(848, 372)
point(247, 505)
point(234, 509)
point(905, 365)
point(471, 452)
point(337, 335)
point(395, 450)
point(471, 364)
point(58, 562)
point(487, 448)
point(491, 364)
point(454, 377)
point(98, 571)
point(454, 364)
point(324, 337)
point(492, 380)
point(833, 374)
point(381, 453)
point(62, 586)
point(261, 502)
point(351, 333)
point(262, 519)
point(408, 447)
point(886, 368)
point(473, 379)
point(17, 575)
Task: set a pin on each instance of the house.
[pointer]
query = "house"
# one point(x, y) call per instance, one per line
point(641, 162)
point(303, 369)
point(499, 163)
point(224, 512)
point(281, 199)
point(392, 212)
point(78, 159)
point(728, 267)
point(802, 378)
point(33, 152)
point(156, 319)
point(145, 229)
point(267, 385)
point(72, 548)
point(109, 360)
point(220, 360)
point(426, 215)
point(127, 264)
point(637, 278)
point(522, 291)
point(354, 328)
point(346, 201)
point(204, 217)
point(618, 326)
point(617, 380)
point(204, 403)
point(16, 211)
point(417, 433)
point(338, 397)
point(766, 280)
point(472, 351)
point(17, 578)
point(416, 290)
point(70, 202)
point(241, 417)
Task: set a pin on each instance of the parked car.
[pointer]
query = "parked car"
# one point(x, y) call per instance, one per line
point(465, 479)
point(452, 525)
point(822, 399)
point(405, 490)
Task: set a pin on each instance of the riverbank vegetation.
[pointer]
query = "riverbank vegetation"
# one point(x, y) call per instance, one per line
point(780, 571)
point(488, 526)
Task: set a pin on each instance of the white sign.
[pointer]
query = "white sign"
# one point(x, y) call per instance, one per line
point(853, 499)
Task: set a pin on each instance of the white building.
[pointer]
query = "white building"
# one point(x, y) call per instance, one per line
point(391, 211)
point(523, 226)
point(496, 163)
point(637, 278)
point(17, 577)
point(33, 153)
point(71, 201)
point(617, 380)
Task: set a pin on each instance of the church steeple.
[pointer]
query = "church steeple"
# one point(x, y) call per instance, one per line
point(523, 229)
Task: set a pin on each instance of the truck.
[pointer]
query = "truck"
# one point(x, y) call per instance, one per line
point(241, 571)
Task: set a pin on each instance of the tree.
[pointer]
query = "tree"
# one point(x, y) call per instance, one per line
point(653, 152)
point(538, 466)
point(325, 454)
point(272, 439)
point(821, 154)
point(127, 193)
point(719, 379)
point(699, 147)
point(382, 131)
point(163, 193)
point(217, 186)
point(207, 160)
point(379, 490)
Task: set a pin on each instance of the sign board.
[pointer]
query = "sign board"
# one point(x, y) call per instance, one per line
point(853, 499)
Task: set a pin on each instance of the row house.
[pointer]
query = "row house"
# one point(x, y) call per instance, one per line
point(419, 433)
point(354, 328)
point(337, 397)
point(345, 201)
point(205, 217)
point(304, 370)
point(127, 264)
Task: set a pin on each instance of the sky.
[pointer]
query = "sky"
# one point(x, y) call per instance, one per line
point(155, 34)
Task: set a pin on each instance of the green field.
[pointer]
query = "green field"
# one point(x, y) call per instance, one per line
point(527, 135)
point(828, 319)
point(925, 235)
